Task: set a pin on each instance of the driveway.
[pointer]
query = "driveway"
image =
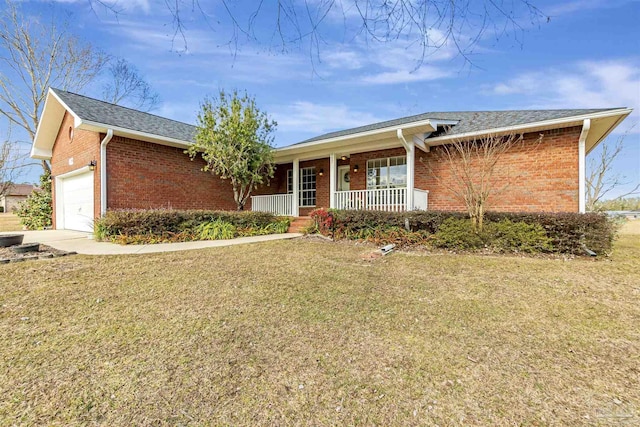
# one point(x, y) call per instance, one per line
point(82, 243)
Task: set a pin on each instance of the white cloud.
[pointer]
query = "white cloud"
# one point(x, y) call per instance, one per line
point(587, 84)
point(424, 73)
point(303, 116)
point(562, 8)
point(349, 60)
point(116, 5)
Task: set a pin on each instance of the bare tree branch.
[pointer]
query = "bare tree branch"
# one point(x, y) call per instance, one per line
point(11, 163)
point(472, 165)
point(39, 55)
point(430, 24)
point(127, 86)
point(601, 179)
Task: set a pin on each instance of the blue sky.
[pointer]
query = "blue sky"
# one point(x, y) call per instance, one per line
point(586, 56)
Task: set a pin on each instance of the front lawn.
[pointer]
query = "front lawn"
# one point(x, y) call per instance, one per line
point(9, 222)
point(308, 332)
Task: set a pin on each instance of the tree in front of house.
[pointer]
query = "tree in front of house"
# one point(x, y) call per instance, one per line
point(235, 138)
point(472, 166)
point(35, 212)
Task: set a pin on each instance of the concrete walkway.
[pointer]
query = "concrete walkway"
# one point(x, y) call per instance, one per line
point(80, 242)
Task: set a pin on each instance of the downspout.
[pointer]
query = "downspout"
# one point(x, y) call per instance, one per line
point(103, 171)
point(411, 154)
point(582, 154)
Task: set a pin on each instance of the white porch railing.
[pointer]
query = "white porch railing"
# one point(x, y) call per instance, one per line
point(383, 199)
point(278, 204)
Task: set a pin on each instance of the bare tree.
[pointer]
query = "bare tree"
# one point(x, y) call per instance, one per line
point(472, 166)
point(36, 56)
point(128, 86)
point(11, 163)
point(429, 24)
point(601, 179)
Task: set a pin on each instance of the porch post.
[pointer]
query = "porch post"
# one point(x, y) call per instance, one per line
point(582, 154)
point(332, 180)
point(411, 156)
point(295, 211)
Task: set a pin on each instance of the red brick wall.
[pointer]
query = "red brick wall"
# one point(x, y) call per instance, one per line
point(82, 148)
point(144, 175)
point(540, 179)
point(544, 179)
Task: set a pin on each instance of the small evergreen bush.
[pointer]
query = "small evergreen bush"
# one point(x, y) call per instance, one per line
point(36, 212)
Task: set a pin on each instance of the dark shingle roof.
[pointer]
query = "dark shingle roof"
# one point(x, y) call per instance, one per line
point(468, 121)
point(115, 115)
point(19, 189)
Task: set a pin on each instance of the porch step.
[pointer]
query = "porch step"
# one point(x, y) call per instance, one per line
point(299, 224)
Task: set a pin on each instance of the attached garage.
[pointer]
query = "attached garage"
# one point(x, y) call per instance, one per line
point(74, 201)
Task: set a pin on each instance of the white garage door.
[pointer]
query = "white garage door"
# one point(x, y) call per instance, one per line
point(77, 202)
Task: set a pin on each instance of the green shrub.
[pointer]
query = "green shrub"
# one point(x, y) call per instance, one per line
point(36, 212)
point(568, 233)
point(508, 236)
point(216, 230)
point(456, 233)
point(167, 225)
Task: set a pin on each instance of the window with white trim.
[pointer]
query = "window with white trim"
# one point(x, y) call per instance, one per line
point(307, 186)
point(387, 173)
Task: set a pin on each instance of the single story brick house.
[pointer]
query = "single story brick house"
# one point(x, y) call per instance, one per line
point(104, 156)
point(14, 195)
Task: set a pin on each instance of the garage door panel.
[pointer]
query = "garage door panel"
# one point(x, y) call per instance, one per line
point(77, 202)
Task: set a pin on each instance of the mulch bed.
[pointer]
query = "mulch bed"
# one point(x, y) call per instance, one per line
point(7, 255)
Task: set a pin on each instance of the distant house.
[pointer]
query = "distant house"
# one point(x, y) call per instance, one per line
point(104, 156)
point(14, 195)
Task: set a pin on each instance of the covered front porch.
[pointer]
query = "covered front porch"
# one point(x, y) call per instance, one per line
point(372, 172)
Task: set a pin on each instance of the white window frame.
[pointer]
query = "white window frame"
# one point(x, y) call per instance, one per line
point(307, 186)
point(388, 161)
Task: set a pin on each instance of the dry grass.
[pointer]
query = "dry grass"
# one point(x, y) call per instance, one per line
point(631, 227)
point(309, 333)
point(9, 222)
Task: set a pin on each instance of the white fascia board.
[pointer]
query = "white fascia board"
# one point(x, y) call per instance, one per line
point(437, 122)
point(134, 134)
point(40, 153)
point(42, 145)
point(76, 118)
point(615, 125)
point(577, 120)
point(345, 138)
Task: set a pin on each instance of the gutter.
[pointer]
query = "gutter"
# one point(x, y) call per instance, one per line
point(103, 171)
point(582, 169)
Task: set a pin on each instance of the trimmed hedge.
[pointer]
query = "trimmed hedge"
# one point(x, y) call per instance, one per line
point(566, 233)
point(167, 225)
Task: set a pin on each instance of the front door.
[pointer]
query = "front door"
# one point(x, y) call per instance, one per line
point(343, 178)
